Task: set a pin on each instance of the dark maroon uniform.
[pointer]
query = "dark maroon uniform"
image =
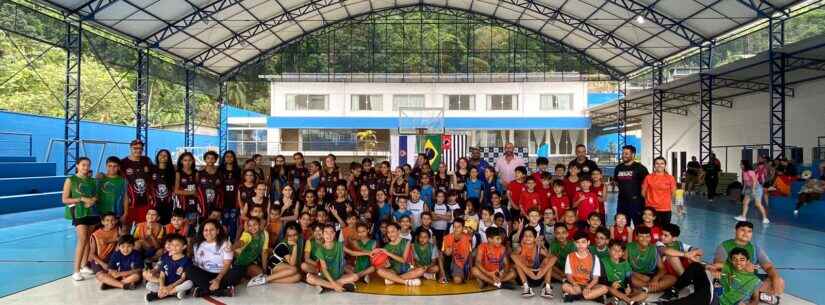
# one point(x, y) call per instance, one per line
point(139, 188)
point(210, 191)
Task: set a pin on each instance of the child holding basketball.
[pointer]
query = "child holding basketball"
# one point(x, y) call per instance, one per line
point(491, 267)
point(169, 277)
point(363, 243)
point(284, 260)
point(123, 269)
point(534, 264)
point(582, 270)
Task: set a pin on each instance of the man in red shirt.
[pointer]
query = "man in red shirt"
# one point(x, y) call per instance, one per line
point(531, 198)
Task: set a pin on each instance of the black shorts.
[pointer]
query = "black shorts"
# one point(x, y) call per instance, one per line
point(534, 283)
point(86, 221)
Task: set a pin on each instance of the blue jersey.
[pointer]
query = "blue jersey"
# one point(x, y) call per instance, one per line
point(473, 188)
point(427, 195)
point(120, 263)
point(173, 269)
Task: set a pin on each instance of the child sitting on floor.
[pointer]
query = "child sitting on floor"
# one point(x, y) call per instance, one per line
point(169, 277)
point(124, 266)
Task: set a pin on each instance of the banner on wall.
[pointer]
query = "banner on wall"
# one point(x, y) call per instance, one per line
point(403, 150)
point(454, 147)
point(431, 146)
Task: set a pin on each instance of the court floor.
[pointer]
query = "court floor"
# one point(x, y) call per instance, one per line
point(36, 249)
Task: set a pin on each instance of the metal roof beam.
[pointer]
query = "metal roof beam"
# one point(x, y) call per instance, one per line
point(753, 86)
point(649, 12)
point(601, 65)
point(187, 21)
point(586, 27)
point(92, 7)
point(762, 8)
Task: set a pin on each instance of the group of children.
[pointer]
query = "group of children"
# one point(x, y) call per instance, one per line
point(333, 231)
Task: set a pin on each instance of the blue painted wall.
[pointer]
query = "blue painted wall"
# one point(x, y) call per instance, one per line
point(595, 99)
point(45, 128)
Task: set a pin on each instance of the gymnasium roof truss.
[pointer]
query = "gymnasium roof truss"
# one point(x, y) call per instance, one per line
point(222, 36)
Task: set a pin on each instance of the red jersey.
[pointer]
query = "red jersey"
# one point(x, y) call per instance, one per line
point(537, 177)
point(530, 200)
point(515, 189)
point(571, 231)
point(571, 188)
point(559, 204)
point(655, 234)
point(589, 204)
point(599, 190)
point(623, 235)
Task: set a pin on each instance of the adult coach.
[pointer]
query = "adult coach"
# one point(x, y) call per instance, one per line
point(772, 284)
point(506, 164)
point(581, 161)
point(137, 169)
point(629, 177)
point(476, 160)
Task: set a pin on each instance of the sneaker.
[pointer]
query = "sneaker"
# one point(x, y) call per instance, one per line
point(547, 292)
point(413, 282)
point(197, 292)
point(567, 298)
point(388, 282)
point(229, 291)
point(497, 284)
point(322, 290)
point(768, 299)
point(429, 275)
point(85, 270)
point(77, 277)
point(130, 286)
point(104, 286)
point(349, 287)
point(741, 218)
point(765, 221)
point(152, 296)
point(527, 292)
point(669, 294)
point(258, 280)
point(367, 279)
point(181, 294)
point(507, 285)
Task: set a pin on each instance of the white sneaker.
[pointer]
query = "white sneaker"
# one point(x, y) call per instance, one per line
point(388, 282)
point(740, 218)
point(429, 275)
point(497, 284)
point(413, 282)
point(85, 270)
point(181, 294)
point(527, 292)
point(77, 277)
point(547, 292)
point(765, 221)
point(258, 280)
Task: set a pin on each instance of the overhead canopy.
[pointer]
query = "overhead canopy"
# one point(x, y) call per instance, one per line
point(225, 34)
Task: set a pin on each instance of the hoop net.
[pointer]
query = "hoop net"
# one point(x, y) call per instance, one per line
point(420, 121)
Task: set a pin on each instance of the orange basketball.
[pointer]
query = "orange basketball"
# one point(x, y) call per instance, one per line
point(379, 259)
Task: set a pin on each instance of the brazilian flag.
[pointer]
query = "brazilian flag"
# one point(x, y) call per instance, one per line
point(431, 146)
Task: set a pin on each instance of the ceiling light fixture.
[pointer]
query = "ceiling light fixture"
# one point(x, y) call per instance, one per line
point(640, 19)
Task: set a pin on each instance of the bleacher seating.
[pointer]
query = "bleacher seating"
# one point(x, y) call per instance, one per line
point(27, 185)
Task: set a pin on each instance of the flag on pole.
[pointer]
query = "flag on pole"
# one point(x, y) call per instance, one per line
point(432, 148)
point(454, 147)
point(403, 151)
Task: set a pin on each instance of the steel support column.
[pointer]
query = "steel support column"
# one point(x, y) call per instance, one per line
point(223, 136)
point(705, 102)
point(658, 105)
point(189, 110)
point(776, 75)
point(142, 99)
point(621, 117)
point(71, 96)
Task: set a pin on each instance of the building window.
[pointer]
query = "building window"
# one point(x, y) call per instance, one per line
point(298, 102)
point(362, 102)
point(502, 102)
point(556, 102)
point(407, 101)
point(328, 139)
point(247, 141)
point(460, 102)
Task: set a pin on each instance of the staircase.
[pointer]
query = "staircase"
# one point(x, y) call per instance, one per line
point(27, 185)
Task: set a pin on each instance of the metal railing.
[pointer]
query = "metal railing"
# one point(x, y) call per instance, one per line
point(82, 143)
point(11, 142)
point(249, 148)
